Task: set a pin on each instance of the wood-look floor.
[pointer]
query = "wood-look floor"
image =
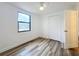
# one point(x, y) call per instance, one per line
point(39, 47)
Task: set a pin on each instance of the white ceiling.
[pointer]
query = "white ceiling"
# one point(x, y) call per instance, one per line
point(51, 6)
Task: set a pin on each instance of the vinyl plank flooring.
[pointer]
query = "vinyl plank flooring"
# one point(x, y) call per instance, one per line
point(40, 47)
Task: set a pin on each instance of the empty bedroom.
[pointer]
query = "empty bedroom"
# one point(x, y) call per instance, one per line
point(39, 29)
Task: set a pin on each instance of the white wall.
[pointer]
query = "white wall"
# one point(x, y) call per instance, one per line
point(9, 36)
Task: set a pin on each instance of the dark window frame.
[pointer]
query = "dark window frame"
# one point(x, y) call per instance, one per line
point(24, 22)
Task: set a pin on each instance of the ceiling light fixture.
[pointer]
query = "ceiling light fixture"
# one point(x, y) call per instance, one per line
point(42, 6)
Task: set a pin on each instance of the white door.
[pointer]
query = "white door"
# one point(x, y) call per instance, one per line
point(56, 27)
point(71, 29)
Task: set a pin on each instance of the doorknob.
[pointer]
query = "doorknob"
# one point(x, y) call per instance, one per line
point(65, 31)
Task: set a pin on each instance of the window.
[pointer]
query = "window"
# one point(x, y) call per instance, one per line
point(24, 22)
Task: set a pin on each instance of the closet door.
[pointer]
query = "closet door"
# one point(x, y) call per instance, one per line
point(56, 27)
point(71, 29)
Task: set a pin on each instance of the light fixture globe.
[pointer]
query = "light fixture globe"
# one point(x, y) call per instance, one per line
point(41, 8)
